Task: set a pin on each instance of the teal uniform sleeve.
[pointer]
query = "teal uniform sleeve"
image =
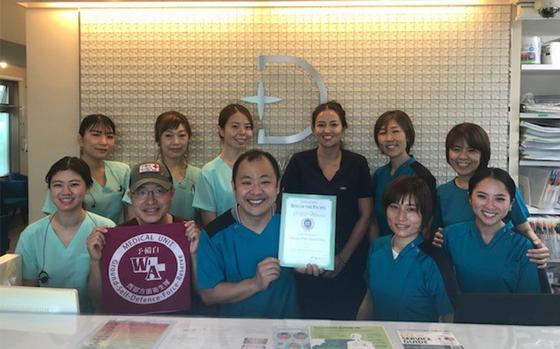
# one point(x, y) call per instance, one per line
point(519, 211)
point(29, 255)
point(437, 287)
point(528, 281)
point(126, 197)
point(48, 205)
point(210, 270)
point(204, 194)
point(125, 185)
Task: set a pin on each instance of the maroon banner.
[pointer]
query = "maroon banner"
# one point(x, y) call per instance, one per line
point(146, 269)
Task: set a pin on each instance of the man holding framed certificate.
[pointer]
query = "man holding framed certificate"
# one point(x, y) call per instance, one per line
point(238, 266)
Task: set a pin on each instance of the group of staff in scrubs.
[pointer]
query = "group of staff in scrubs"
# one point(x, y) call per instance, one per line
point(403, 249)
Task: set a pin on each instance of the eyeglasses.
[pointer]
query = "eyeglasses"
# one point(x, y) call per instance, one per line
point(143, 194)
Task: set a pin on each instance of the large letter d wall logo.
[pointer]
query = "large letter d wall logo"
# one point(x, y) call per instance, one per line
point(261, 99)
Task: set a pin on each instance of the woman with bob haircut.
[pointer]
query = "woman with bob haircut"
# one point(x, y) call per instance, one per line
point(214, 194)
point(53, 249)
point(330, 169)
point(394, 136)
point(467, 150)
point(408, 278)
point(96, 138)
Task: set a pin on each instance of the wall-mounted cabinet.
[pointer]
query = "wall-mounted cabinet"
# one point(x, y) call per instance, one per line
point(534, 156)
point(535, 147)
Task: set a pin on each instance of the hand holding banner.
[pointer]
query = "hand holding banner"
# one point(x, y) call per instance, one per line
point(146, 269)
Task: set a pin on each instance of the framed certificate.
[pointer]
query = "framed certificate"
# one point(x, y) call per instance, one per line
point(307, 230)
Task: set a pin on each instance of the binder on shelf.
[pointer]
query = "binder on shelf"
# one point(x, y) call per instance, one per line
point(540, 140)
point(540, 186)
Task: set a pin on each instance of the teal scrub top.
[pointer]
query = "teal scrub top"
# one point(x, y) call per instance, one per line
point(501, 266)
point(381, 179)
point(213, 191)
point(67, 266)
point(453, 206)
point(410, 287)
point(104, 200)
point(230, 252)
point(182, 203)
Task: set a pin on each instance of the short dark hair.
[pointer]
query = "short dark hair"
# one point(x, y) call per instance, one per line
point(71, 163)
point(231, 109)
point(476, 138)
point(495, 173)
point(414, 188)
point(93, 120)
point(256, 154)
point(170, 120)
point(331, 105)
point(402, 119)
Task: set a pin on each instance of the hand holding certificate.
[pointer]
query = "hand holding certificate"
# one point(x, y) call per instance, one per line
point(307, 230)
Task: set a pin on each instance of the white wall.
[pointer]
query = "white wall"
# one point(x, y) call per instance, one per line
point(12, 21)
point(52, 96)
point(12, 28)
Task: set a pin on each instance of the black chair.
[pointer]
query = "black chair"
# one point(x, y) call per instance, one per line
point(13, 196)
point(4, 231)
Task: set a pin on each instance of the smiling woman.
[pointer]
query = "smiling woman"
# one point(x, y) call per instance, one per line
point(173, 133)
point(331, 170)
point(394, 136)
point(408, 279)
point(53, 248)
point(214, 194)
point(487, 255)
point(96, 138)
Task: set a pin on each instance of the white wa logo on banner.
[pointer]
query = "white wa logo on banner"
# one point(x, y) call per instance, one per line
point(148, 266)
point(261, 99)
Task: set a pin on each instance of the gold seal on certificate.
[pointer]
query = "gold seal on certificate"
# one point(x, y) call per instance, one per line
point(307, 230)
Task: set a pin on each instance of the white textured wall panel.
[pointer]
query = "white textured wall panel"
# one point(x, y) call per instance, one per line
point(442, 65)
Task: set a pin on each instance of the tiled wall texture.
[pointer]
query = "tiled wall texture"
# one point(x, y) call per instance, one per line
point(442, 65)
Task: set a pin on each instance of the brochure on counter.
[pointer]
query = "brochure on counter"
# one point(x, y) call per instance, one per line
point(426, 339)
point(349, 337)
point(127, 334)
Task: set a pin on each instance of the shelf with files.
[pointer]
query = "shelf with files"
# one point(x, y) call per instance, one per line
point(539, 116)
point(547, 211)
point(544, 68)
point(539, 163)
point(535, 135)
point(539, 80)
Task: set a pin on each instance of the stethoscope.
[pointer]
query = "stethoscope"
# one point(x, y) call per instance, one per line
point(43, 276)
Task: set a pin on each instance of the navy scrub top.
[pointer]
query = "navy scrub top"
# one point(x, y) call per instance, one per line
point(350, 183)
point(338, 298)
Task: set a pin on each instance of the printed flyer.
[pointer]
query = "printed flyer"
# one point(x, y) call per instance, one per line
point(349, 337)
point(425, 339)
point(291, 338)
point(127, 334)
